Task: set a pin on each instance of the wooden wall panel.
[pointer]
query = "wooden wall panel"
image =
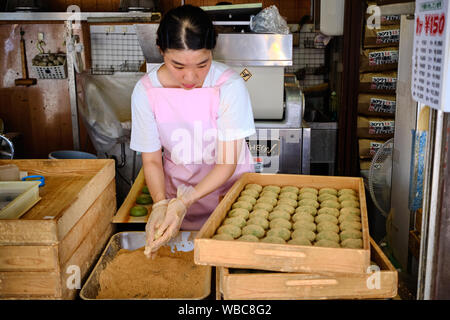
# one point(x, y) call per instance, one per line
point(85, 5)
point(293, 10)
point(347, 140)
point(166, 5)
point(41, 113)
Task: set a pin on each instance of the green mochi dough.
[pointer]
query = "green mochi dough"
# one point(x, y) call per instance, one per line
point(138, 211)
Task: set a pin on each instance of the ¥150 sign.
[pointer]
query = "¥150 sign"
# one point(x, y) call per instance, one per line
point(430, 71)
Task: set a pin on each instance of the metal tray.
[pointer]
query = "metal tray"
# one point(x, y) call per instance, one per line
point(132, 240)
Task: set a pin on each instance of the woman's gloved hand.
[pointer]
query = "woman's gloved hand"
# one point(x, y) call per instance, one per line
point(155, 220)
point(176, 211)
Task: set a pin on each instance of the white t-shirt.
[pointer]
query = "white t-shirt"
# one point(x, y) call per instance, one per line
point(235, 115)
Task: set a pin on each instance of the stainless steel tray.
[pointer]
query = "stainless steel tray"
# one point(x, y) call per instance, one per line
point(132, 240)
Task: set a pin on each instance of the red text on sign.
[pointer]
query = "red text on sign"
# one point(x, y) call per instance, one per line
point(433, 25)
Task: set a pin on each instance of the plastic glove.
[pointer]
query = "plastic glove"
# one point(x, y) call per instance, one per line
point(176, 211)
point(155, 220)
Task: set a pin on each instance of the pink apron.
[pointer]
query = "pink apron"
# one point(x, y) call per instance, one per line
point(187, 125)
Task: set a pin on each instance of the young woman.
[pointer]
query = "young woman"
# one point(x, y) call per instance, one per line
point(199, 112)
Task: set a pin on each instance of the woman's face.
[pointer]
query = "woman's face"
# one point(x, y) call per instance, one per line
point(188, 68)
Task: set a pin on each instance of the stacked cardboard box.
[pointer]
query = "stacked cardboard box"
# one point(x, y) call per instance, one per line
point(378, 79)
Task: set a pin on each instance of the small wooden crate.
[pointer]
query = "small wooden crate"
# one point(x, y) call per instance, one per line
point(45, 252)
point(283, 286)
point(25, 193)
point(282, 257)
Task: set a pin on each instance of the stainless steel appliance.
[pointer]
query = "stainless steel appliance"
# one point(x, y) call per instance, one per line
point(282, 141)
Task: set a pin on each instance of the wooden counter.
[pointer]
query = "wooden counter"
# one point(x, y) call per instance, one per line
point(47, 253)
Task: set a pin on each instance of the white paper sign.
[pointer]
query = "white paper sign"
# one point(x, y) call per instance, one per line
point(430, 58)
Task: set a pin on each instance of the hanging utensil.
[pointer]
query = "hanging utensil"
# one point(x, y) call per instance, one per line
point(24, 81)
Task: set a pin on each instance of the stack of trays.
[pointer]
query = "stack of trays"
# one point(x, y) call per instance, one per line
point(303, 263)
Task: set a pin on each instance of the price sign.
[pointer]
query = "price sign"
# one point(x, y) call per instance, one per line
point(430, 83)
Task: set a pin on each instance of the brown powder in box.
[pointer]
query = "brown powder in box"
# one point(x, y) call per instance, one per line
point(169, 276)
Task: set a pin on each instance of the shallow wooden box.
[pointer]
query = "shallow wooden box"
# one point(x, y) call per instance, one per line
point(133, 240)
point(47, 253)
point(123, 214)
point(283, 286)
point(282, 257)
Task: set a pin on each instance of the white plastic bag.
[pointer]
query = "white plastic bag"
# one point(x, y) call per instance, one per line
point(105, 106)
point(269, 21)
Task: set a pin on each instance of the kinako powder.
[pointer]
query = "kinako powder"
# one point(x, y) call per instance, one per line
point(131, 275)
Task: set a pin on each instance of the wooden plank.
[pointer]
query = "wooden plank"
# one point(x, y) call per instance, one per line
point(29, 284)
point(398, 9)
point(90, 5)
point(99, 214)
point(218, 285)
point(28, 258)
point(304, 286)
point(378, 256)
point(347, 140)
point(418, 221)
point(414, 243)
point(312, 286)
point(28, 232)
point(85, 257)
point(281, 257)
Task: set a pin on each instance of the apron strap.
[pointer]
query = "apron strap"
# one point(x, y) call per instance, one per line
point(224, 77)
point(146, 82)
point(148, 86)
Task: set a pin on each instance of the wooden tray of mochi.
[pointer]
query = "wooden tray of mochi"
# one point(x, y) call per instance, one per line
point(379, 282)
point(288, 223)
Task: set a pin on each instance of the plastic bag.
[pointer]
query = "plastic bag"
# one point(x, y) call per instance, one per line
point(269, 21)
point(105, 106)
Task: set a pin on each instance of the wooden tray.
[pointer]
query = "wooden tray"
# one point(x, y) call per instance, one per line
point(282, 257)
point(253, 286)
point(123, 214)
point(131, 241)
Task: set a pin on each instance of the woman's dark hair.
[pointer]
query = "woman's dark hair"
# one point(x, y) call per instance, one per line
point(186, 27)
